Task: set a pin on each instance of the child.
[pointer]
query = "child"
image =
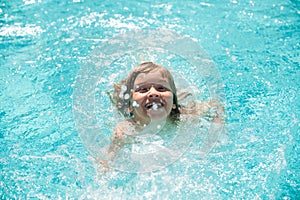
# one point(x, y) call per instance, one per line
point(148, 98)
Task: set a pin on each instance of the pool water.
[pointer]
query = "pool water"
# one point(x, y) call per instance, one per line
point(254, 46)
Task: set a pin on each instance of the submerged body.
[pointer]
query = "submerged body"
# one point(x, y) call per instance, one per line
point(148, 97)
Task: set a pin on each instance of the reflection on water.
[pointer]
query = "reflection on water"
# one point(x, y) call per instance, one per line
point(255, 47)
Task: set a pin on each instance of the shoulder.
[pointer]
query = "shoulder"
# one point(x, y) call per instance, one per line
point(212, 110)
point(193, 108)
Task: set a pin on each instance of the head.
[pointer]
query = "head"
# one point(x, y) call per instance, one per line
point(148, 92)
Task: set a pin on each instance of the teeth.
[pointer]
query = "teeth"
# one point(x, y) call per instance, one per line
point(153, 105)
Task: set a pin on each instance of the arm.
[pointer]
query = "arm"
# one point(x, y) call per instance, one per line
point(119, 138)
point(212, 110)
point(116, 144)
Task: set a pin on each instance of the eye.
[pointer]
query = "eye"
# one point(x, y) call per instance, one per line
point(161, 88)
point(142, 89)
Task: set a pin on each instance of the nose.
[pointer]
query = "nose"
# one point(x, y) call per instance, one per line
point(153, 93)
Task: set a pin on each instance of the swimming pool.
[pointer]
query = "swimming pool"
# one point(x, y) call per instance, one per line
point(254, 46)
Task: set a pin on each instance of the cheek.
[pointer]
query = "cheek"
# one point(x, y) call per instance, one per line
point(170, 98)
point(137, 97)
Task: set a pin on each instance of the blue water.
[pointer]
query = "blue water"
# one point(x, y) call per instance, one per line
point(255, 47)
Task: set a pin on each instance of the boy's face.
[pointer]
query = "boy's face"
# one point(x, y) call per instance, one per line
point(152, 97)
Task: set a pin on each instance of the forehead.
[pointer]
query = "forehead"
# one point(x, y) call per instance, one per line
point(156, 77)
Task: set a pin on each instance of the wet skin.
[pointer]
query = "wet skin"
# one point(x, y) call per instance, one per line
point(152, 98)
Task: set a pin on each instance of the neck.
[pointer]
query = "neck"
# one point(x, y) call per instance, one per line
point(150, 125)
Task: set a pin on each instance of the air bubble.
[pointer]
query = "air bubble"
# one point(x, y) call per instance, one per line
point(126, 96)
point(123, 88)
point(135, 104)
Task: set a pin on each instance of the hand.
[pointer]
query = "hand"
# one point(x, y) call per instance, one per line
point(104, 166)
point(216, 111)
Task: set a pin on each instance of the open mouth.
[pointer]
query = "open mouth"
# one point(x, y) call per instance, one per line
point(154, 105)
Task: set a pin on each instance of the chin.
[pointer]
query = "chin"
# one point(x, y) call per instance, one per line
point(159, 114)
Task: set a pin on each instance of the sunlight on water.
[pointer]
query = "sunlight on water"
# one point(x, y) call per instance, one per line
point(44, 45)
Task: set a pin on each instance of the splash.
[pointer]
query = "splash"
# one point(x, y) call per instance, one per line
point(95, 116)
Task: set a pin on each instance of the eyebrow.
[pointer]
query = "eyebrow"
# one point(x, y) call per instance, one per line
point(149, 85)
